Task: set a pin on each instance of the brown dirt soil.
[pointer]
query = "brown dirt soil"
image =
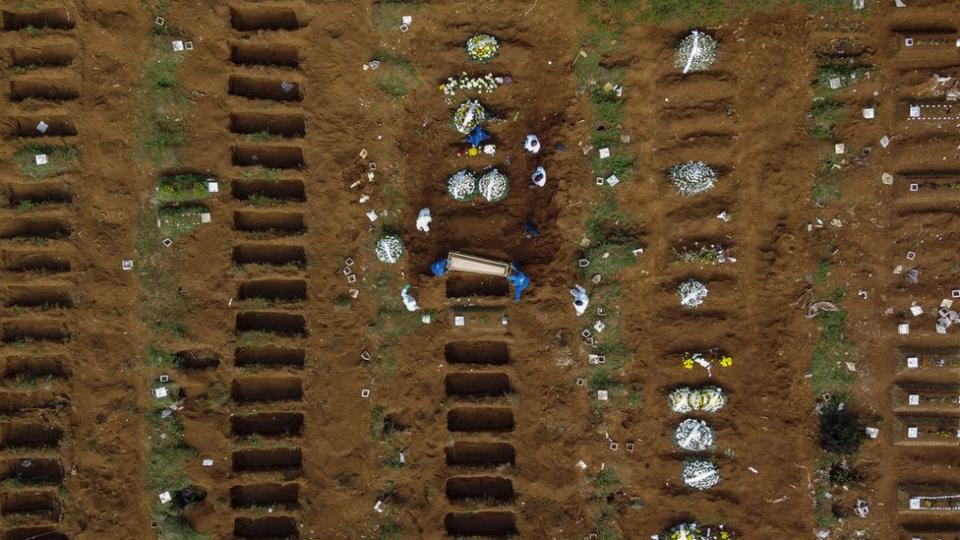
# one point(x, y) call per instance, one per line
point(259, 295)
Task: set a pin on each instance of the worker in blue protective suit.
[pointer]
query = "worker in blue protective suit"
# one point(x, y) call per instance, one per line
point(439, 268)
point(519, 280)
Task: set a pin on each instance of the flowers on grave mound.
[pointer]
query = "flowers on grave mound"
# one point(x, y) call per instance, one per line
point(696, 52)
point(469, 115)
point(493, 186)
point(692, 177)
point(485, 84)
point(462, 186)
point(706, 399)
point(693, 435)
point(692, 531)
point(700, 474)
point(482, 47)
point(692, 293)
point(389, 249)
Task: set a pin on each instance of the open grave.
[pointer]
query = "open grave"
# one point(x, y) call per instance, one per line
point(48, 88)
point(46, 55)
point(35, 366)
point(266, 388)
point(278, 290)
point(484, 523)
point(39, 193)
point(17, 330)
point(253, 17)
point(268, 88)
point(265, 527)
point(57, 18)
point(477, 352)
point(264, 54)
point(267, 459)
point(270, 356)
point(45, 532)
point(260, 190)
point(51, 295)
point(32, 470)
point(268, 155)
point(36, 260)
point(274, 322)
point(34, 227)
point(480, 454)
point(29, 435)
point(477, 384)
point(268, 221)
point(477, 419)
point(37, 503)
point(283, 124)
point(270, 254)
point(196, 359)
point(483, 488)
point(264, 494)
point(271, 424)
point(41, 125)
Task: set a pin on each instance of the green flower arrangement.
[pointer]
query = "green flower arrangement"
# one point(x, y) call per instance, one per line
point(462, 186)
point(696, 52)
point(389, 249)
point(469, 115)
point(482, 47)
point(493, 186)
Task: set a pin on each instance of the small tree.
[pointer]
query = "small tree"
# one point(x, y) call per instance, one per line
point(840, 430)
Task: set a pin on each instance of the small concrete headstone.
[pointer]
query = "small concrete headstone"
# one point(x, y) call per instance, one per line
point(126, 264)
point(40, 159)
point(630, 446)
point(612, 180)
point(459, 320)
point(365, 355)
point(372, 216)
point(42, 127)
point(580, 381)
point(188, 45)
point(167, 242)
point(955, 293)
point(604, 153)
point(583, 263)
point(348, 261)
point(365, 393)
point(886, 179)
point(425, 318)
point(914, 111)
point(913, 399)
point(914, 187)
point(599, 326)
point(178, 45)
point(913, 362)
point(839, 148)
point(614, 446)
point(160, 392)
point(164, 378)
point(404, 27)
point(869, 113)
point(352, 278)
point(872, 432)
point(213, 187)
point(165, 497)
point(205, 217)
point(916, 310)
point(885, 141)
point(407, 19)
point(287, 87)
point(354, 293)
point(913, 433)
point(911, 255)
point(903, 329)
point(835, 83)
point(603, 395)
point(207, 462)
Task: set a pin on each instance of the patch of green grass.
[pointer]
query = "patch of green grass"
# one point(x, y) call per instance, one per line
point(182, 188)
point(377, 414)
point(824, 116)
point(161, 108)
point(820, 276)
point(823, 511)
point(162, 306)
point(396, 75)
point(832, 349)
point(393, 320)
point(606, 483)
point(59, 159)
point(390, 530)
point(847, 72)
point(177, 221)
point(386, 14)
point(701, 12)
point(612, 239)
point(261, 173)
point(261, 136)
point(826, 188)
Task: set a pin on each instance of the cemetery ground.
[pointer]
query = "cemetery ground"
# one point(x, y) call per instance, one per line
point(197, 339)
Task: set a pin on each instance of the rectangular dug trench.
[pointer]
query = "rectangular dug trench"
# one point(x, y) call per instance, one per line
point(49, 89)
point(32, 470)
point(269, 88)
point(42, 261)
point(17, 330)
point(277, 290)
point(253, 17)
point(477, 384)
point(285, 190)
point(480, 454)
point(16, 401)
point(462, 285)
point(266, 221)
point(266, 388)
point(29, 435)
point(493, 353)
point(33, 502)
point(271, 254)
point(284, 324)
point(38, 296)
point(463, 488)
point(42, 532)
point(264, 54)
point(57, 125)
point(269, 356)
point(266, 527)
point(265, 494)
point(38, 227)
point(487, 523)
point(36, 366)
point(268, 155)
point(196, 359)
point(281, 124)
point(39, 193)
point(56, 18)
point(267, 459)
point(476, 419)
point(51, 55)
point(273, 424)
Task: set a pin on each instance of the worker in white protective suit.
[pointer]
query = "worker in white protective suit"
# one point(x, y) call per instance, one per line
point(423, 220)
point(408, 300)
point(580, 299)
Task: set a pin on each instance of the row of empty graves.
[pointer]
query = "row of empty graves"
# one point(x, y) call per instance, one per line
point(266, 86)
point(39, 48)
point(926, 393)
